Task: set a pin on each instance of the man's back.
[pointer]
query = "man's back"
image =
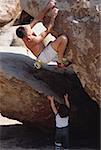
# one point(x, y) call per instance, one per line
point(32, 45)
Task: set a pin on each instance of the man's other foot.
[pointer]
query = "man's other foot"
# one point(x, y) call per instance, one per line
point(65, 63)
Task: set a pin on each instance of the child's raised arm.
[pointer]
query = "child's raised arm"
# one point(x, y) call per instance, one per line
point(66, 100)
point(51, 98)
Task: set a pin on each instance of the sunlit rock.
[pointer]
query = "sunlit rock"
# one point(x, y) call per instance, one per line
point(8, 10)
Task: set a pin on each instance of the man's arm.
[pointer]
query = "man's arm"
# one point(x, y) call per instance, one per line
point(43, 12)
point(40, 38)
point(66, 100)
point(51, 98)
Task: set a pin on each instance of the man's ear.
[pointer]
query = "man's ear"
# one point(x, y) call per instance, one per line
point(28, 38)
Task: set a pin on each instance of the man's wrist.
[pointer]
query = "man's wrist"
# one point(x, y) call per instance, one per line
point(49, 29)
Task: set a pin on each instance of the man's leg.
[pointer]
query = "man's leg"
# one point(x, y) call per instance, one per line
point(59, 45)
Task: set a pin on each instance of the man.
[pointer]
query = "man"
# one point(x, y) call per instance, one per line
point(55, 50)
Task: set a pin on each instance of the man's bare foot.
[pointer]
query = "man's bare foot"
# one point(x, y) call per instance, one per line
point(64, 64)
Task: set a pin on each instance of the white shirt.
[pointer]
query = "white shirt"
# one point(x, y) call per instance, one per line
point(61, 122)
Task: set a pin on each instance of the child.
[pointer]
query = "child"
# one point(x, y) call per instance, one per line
point(62, 118)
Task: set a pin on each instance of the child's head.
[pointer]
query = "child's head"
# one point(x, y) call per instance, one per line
point(63, 110)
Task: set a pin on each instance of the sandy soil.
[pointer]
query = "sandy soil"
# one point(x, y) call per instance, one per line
point(15, 136)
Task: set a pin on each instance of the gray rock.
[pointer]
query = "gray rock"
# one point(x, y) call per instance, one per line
point(22, 95)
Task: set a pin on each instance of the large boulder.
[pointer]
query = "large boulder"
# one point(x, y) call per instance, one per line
point(23, 91)
point(8, 11)
point(22, 96)
point(80, 20)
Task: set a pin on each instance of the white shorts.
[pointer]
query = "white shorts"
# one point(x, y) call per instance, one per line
point(48, 54)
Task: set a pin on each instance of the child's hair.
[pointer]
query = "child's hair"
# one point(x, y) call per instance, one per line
point(21, 32)
point(63, 110)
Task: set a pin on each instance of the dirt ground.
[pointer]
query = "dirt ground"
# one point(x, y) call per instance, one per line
point(16, 136)
point(19, 137)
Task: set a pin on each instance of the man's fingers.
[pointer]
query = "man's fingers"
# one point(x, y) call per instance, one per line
point(55, 11)
point(53, 1)
point(51, 4)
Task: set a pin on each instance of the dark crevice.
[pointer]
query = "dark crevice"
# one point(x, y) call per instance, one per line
point(85, 113)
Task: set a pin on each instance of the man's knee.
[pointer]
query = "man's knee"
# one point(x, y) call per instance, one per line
point(64, 38)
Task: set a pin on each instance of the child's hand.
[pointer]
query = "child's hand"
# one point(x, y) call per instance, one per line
point(66, 96)
point(51, 98)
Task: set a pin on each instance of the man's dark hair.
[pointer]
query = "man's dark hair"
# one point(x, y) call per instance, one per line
point(63, 110)
point(21, 32)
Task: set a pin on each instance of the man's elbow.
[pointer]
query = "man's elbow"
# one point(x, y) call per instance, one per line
point(38, 41)
point(41, 38)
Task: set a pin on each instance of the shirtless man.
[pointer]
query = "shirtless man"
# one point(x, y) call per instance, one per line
point(53, 51)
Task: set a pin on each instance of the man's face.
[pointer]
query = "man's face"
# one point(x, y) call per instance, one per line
point(29, 33)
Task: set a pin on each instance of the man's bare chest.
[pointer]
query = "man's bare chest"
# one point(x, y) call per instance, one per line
point(35, 48)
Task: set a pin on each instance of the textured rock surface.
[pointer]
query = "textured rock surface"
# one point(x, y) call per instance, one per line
point(19, 98)
point(23, 91)
point(8, 10)
point(8, 37)
point(80, 20)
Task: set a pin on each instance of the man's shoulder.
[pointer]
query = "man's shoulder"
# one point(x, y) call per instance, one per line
point(27, 26)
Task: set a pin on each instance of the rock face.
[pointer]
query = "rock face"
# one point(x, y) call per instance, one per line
point(80, 20)
point(8, 37)
point(8, 10)
point(23, 91)
point(19, 98)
